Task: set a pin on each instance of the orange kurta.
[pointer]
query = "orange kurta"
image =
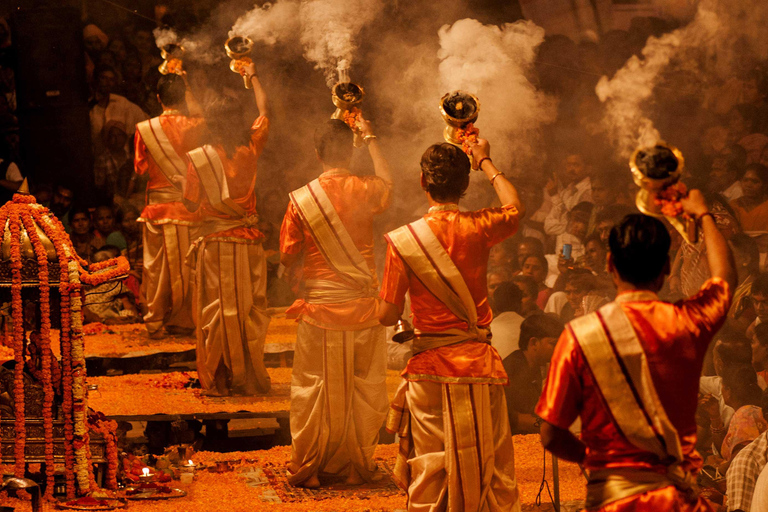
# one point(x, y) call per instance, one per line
point(675, 338)
point(240, 170)
point(467, 237)
point(755, 219)
point(185, 133)
point(356, 200)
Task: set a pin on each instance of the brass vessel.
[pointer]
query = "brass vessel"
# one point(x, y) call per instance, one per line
point(654, 169)
point(458, 109)
point(403, 331)
point(239, 49)
point(172, 55)
point(346, 96)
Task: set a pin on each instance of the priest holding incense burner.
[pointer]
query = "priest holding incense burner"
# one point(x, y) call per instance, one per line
point(161, 146)
point(631, 372)
point(456, 450)
point(338, 387)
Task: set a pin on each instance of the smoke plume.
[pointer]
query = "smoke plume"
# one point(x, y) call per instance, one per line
point(495, 63)
point(270, 23)
point(329, 29)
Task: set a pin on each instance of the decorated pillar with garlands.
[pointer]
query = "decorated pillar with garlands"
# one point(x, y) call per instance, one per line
point(42, 279)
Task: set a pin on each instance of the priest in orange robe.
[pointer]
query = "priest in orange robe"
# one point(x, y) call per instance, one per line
point(631, 370)
point(161, 145)
point(338, 387)
point(230, 305)
point(456, 450)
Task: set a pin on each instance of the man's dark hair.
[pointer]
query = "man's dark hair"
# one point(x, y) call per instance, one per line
point(333, 142)
point(734, 354)
point(78, 209)
point(540, 258)
point(760, 285)
point(581, 278)
point(527, 285)
point(171, 89)
point(535, 242)
point(760, 170)
point(640, 249)
point(507, 297)
point(742, 381)
point(761, 333)
point(594, 237)
point(540, 325)
point(446, 172)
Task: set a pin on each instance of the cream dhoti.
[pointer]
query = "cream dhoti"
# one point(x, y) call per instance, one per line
point(338, 400)
point(232, 319)
point(166, 280)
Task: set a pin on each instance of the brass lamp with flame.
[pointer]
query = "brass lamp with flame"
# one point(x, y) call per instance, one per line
point(458, 108)
point(654, 169)
point(238, 49)
point(172, 55)
point(346, 96)
point(403, 331)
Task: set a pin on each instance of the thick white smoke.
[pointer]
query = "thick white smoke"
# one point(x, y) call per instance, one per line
point(495, 63)
point(329, 29)
point(269, 23)
point(628, 124)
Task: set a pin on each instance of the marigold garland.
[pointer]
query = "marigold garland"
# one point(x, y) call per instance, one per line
point(352, 118)
point(467, 136)
point(18, 345)
point(668, 199)
point(43, 345)
point(23, 211)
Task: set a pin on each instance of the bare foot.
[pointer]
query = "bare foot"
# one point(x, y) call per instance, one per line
point(354, 478)
point(310, 483)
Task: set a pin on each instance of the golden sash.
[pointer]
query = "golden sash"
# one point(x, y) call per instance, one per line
point(213, 179)
point(620, 369)
point(331, 237)
point(420, 249)
point(161, 150)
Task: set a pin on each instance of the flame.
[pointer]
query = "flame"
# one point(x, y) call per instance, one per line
point(145, 471)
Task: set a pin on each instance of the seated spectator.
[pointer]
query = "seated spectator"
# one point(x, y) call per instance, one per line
point(752, 207)
point(530, 289)
point(758, 298)
point(494, 278)
point(110, 302)
point(740, 392)
point(81, 236)
point(760, 354)
point(725, 173)
point(537, 340)
point(747, 470)
point(528, 247)
point(747, 259)
point(575, 188)
point(114, 166)
point(595, 255)
point(760, 498)
point(725, 354)
point(575, 231)
point(741, 130)
point(104, 232)
point(579, 297)
point(61, 203)
point(607, 191)
point(607, 218)
point(531, 195)
point(503, 256)
point(506, 322)
point(537, 268)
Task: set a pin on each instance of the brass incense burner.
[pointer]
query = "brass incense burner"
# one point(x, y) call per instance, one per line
point(347, 96)
point(654, 169)
point(458, 108)
point(403, 331)
point(239, 49)
point(172, 55)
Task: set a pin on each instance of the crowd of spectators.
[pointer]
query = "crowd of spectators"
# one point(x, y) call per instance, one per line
point(553, 270)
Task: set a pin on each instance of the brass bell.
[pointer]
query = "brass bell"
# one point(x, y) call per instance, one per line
point(403, 331)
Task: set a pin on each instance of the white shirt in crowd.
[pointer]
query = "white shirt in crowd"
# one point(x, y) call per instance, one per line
point(760, 497)
point(563, 202)
point(733, 192)
point(506, 332)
